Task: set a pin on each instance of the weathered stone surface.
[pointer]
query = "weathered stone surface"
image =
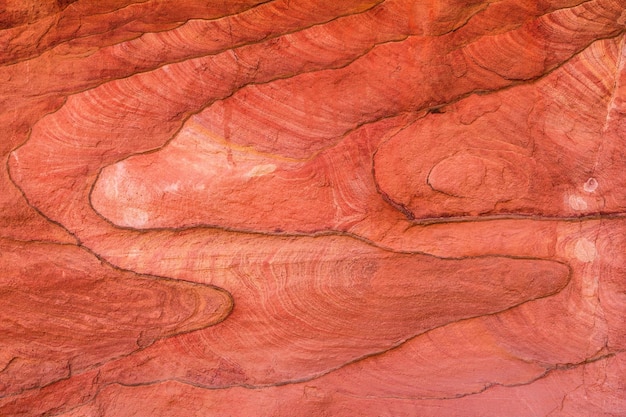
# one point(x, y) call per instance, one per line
point(65, 312)
point(313, 207)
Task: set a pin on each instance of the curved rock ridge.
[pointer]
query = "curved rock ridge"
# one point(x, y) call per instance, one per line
point(499, 347)
point(395, 299)
point(239, 189)
point(32, 27)
point(312, 207)
point(478, 157)
point(495, 168)
point(293, 294)
point(63, 311)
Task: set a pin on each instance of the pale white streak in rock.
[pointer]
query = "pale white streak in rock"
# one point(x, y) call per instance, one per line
point(135, 217)
point(261, 170)
point(611, 105)
point(172, 188)
point(585, 250)
point(577, 202)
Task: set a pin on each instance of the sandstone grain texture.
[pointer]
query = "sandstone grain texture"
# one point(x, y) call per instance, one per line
point(313, 208)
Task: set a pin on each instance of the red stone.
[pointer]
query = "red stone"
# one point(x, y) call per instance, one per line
point(313, 207)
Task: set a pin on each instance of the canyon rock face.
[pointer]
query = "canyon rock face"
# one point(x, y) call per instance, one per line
point(313, 208)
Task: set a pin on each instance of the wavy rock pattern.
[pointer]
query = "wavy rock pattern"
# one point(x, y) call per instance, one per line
point(63, 312)
point(312, 207)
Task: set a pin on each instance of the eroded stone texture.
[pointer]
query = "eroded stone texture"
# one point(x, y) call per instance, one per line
point(313, 207)
point(53, 329)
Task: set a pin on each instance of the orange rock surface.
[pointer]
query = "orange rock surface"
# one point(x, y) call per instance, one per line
point(313, 208)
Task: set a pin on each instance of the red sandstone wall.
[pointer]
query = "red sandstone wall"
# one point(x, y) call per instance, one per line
point(313, 208)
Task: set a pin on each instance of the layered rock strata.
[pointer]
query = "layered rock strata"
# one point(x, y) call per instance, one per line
point(313, 207)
